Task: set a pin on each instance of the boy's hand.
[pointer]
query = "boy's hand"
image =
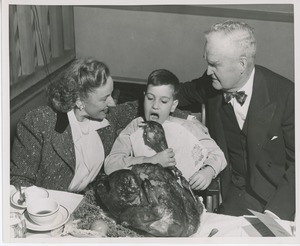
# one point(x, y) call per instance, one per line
point(165, 158)
point(202, 178)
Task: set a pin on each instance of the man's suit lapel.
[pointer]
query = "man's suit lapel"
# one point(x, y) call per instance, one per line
point(216, 126)
point(216, 130)
point(63, 141)
point(259, 117)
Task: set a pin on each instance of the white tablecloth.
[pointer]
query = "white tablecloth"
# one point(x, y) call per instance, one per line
point(67, 199)
point(228, 226)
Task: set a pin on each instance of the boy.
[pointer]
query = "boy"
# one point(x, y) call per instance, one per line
point(191, 148)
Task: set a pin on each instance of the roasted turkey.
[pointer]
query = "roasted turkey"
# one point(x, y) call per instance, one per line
point(149, 197)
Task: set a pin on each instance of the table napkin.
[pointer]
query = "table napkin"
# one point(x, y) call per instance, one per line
point(190, 154)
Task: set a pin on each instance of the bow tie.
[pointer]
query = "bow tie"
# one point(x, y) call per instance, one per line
point(240, 96)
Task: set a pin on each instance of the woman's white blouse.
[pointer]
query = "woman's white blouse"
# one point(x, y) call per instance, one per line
point(89, 151)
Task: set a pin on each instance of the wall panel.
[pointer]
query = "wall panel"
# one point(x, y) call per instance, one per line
point(135, 40)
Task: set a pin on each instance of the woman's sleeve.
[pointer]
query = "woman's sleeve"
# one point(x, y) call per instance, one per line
point(26, 152)
point(121, 156)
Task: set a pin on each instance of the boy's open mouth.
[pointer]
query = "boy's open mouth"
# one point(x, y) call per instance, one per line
point(154, 116)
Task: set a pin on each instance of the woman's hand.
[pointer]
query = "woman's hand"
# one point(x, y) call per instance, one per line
point(166, 158)
point(202, 178)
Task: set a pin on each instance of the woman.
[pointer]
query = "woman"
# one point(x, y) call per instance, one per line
point(62, 146)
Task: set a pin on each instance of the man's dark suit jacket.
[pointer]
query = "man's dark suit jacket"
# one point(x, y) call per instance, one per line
point(271, 136)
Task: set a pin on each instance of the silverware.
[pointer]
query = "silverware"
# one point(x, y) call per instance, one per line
point(213, 232)
point(21, 199)
point(187, 186)
point(184, 183)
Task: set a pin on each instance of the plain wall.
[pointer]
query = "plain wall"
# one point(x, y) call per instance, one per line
point(133, 43)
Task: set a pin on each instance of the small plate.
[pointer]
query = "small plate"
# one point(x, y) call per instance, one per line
point(62, 217)
point(41, 235)
point(15, 197)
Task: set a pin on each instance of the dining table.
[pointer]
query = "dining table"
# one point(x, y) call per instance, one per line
point(223, 226)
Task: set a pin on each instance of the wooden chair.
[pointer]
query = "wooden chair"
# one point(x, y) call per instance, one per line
point(212, 197)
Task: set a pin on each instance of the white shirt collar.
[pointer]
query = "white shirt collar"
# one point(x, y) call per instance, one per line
point(248, 87)
point(242, 110)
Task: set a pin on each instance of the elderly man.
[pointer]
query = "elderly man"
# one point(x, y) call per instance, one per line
point(250, 114)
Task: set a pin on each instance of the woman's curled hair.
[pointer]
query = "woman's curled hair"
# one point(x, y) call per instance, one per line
point(82, 77)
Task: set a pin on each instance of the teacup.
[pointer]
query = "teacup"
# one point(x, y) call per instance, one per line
point(43, 211)
point(33, 193)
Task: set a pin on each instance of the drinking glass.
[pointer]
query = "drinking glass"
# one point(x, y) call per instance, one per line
point(17, 225)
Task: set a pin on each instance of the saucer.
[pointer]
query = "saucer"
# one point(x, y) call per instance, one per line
point(14, 199)
point(34, 189)
point(38, 236)
point(62, 217)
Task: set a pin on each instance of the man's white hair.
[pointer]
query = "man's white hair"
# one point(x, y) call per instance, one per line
point(240, 33)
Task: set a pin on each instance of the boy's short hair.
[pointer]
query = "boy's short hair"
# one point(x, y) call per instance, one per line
point(164, 77)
